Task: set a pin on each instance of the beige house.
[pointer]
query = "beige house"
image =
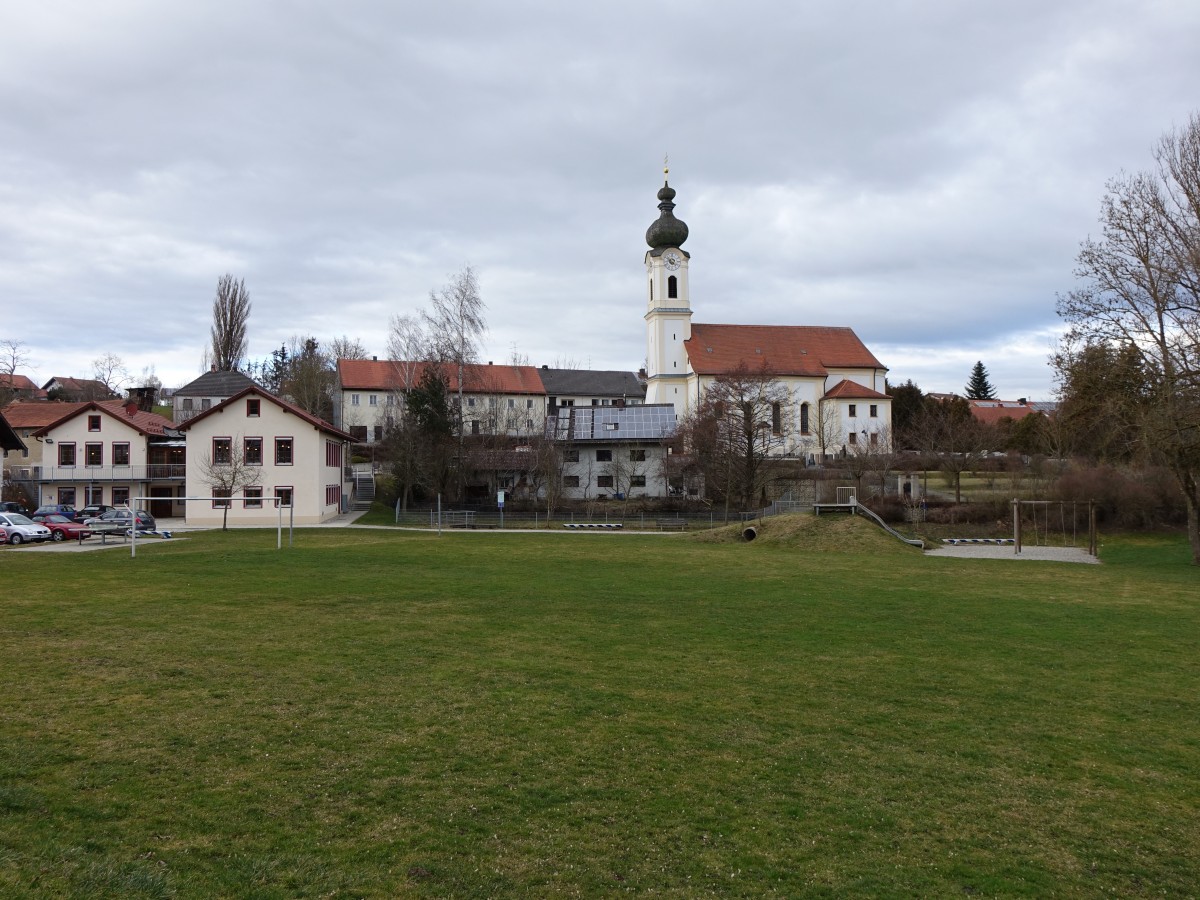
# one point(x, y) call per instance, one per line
point(274, 454)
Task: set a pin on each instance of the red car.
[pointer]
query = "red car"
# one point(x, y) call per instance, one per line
point(62, 528)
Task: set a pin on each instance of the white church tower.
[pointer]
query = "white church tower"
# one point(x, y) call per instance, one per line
point(668, 307)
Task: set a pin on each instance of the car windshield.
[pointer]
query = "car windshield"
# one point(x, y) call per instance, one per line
point(57, 519)
point(18, 519)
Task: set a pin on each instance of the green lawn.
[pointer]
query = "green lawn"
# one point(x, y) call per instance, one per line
point(376, 713)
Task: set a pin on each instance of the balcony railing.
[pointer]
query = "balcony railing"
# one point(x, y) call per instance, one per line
point(153, 472)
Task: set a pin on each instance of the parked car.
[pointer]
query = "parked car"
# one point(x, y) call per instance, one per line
point(11, 506)
point(92, 511)
point(62, 528)
point(62, 509)
point(20, 529)
point(145, 521)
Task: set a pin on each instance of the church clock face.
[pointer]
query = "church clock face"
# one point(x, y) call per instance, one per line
point(672, 261)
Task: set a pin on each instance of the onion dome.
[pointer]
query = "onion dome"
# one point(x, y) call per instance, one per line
point(667, 231)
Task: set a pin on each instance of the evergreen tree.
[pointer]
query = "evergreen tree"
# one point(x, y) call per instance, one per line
point(979, 388)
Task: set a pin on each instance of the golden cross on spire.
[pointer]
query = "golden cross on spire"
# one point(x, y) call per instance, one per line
point(666, 164)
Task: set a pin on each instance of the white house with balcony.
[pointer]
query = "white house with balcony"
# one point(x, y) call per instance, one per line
point(109, 452)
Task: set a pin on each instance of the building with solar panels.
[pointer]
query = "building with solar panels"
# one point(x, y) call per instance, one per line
point(613, 451)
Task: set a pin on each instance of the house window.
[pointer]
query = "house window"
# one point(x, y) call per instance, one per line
point(672, 287)
point(221, 503)
point(333, 495)
point(93, 455)
point(874, 411)
point(252, 451)
point(853, 410)
point(378, 433)
point(874, 438)
point(66, 496)
point(853, 438)
point(470, 401)
point(187, 403)
point(776, 418)
point(222, 451)
point(491, 402)
point(504, 482)
point(637, 455)
point(529, 424)
point(333, 454)
point(253, 408)
point(120, 454)
point(595, 402)
point(571, 481)
point(93, 494)
point(93, 423)
point(374, 400)
point(354, 399)
point(120, 496)
point(283, 452)
point(474, 426)
point(359, 433)
point(637, 481)
point(284, 496)
point(603, 456)
point(206, 403)
point(529, 403)
point(604, 481)
point(512, 404)
point(252, 498)
point(66, 455)
point(570, 456)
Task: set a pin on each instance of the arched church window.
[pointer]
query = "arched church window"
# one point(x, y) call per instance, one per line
point(651, 290)
point(672, 287)
point(804, 418)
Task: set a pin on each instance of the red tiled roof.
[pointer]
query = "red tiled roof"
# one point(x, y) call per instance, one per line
point(852, 390)
point(992, 411)
point(145, 422)
point(798, 350)
point(18, 383)
point(315, 421)
point(389, 375)
point(38, 414)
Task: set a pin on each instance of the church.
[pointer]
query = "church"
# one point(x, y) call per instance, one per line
point(834, 384)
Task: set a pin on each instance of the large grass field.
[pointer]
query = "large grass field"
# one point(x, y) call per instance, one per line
point(822, 712)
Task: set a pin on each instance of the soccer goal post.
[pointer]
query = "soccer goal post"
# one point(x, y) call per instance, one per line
point(279, 508)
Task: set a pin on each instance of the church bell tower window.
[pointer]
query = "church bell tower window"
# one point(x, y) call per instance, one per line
point(673, 287)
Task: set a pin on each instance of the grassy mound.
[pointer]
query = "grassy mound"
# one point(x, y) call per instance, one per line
point(822, 534)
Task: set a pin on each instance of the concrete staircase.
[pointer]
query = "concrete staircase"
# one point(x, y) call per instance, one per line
point(364, 489)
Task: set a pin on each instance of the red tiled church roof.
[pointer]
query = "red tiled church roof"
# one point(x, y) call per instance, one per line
point(852, 390)
point(797, 350)
point(389, 375)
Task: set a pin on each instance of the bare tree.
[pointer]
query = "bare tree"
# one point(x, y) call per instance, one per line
point(346, 348)
point(1140, 291)
point(110, 371)
point(231, 312)
point(456, 325)
point(12, 357)
point(310, 377)
point(225, 470)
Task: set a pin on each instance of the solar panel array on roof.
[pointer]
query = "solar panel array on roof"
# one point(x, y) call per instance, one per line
point(613, 423)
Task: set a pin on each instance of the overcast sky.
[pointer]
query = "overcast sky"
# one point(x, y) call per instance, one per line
point(922, 172)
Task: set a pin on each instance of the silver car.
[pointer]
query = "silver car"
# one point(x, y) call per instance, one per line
point(20, 529)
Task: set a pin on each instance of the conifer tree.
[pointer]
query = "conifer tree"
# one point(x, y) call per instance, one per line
point(979, 388)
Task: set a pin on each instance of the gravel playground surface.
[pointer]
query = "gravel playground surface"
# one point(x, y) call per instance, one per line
point(994, 551)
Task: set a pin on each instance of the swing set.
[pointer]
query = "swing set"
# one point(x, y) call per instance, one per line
point(1037, 517)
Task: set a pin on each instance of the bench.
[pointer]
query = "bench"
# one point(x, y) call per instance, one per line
point(593, 524)
point(667, 524)
point(105, 530)
point(957, 541)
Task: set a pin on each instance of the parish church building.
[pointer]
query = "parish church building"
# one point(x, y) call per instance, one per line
point(835, 385)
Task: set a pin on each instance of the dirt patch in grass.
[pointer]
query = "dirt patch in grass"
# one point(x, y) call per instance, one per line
point(824, 534)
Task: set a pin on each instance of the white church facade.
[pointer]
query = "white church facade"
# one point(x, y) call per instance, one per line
point(835, 386)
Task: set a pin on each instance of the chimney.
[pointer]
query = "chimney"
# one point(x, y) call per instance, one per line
point(1022, 401)
point(214, 368)
point(374, 359)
